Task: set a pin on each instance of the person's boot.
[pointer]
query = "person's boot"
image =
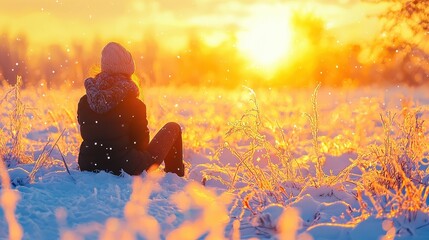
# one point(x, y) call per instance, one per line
point(179, 170)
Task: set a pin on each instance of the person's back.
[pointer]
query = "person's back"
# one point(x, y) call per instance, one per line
point(113, 123)
point(109, 137)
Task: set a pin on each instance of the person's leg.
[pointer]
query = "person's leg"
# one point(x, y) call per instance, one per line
point(167, 146)
point(174, 159)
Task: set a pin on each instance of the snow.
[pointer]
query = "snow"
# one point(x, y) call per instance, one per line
point(204, 204)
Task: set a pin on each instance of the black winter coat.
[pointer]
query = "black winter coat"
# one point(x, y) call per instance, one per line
point(115, 140)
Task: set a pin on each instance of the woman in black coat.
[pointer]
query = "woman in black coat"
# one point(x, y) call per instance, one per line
point(113, 123)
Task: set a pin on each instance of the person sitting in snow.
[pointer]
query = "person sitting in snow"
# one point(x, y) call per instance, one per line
point(114, 126)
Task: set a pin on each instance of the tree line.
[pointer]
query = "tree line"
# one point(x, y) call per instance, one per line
point(390, 59)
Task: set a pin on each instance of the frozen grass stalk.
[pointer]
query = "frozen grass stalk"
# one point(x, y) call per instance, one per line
point(211, 221)
point(314, 124)
point(252, 130)
point(16, 154)
point(42, 158)
point(9, 199)
point(391, 177)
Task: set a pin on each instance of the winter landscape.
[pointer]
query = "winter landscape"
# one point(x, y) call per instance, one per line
point(300, 119)
point(251, 164)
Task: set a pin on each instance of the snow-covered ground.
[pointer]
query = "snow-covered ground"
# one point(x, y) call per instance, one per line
point(251, 171)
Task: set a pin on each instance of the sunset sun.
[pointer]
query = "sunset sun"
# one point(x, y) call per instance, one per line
point(266, 40)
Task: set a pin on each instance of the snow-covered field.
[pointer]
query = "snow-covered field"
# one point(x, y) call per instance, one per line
point(262, 165)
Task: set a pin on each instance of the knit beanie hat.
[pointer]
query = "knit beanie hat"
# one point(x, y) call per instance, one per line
point(116, 59)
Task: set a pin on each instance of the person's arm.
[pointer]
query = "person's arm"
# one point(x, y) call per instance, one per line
point(80, 109)
point(139, 128)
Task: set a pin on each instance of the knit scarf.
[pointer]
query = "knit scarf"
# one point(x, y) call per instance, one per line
point(106, 91)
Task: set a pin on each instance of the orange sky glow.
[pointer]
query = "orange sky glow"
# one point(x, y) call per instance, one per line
point(262, 30)
point(47, 21)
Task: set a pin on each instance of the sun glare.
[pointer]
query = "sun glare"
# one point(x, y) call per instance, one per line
point(266, 39)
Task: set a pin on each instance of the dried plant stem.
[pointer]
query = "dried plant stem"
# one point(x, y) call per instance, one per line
point(8, 200)
point(390, 171)
point(314, 124)
point(43, 157)
point(65, 164)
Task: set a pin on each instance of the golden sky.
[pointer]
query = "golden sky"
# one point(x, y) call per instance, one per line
point(60, 21)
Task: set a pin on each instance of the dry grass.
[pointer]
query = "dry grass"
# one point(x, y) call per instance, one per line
point(265, 147)
point(393, 170)
point(15, 153)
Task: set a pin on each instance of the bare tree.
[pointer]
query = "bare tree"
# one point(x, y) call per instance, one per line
point(405, 21)
point(404, 41)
